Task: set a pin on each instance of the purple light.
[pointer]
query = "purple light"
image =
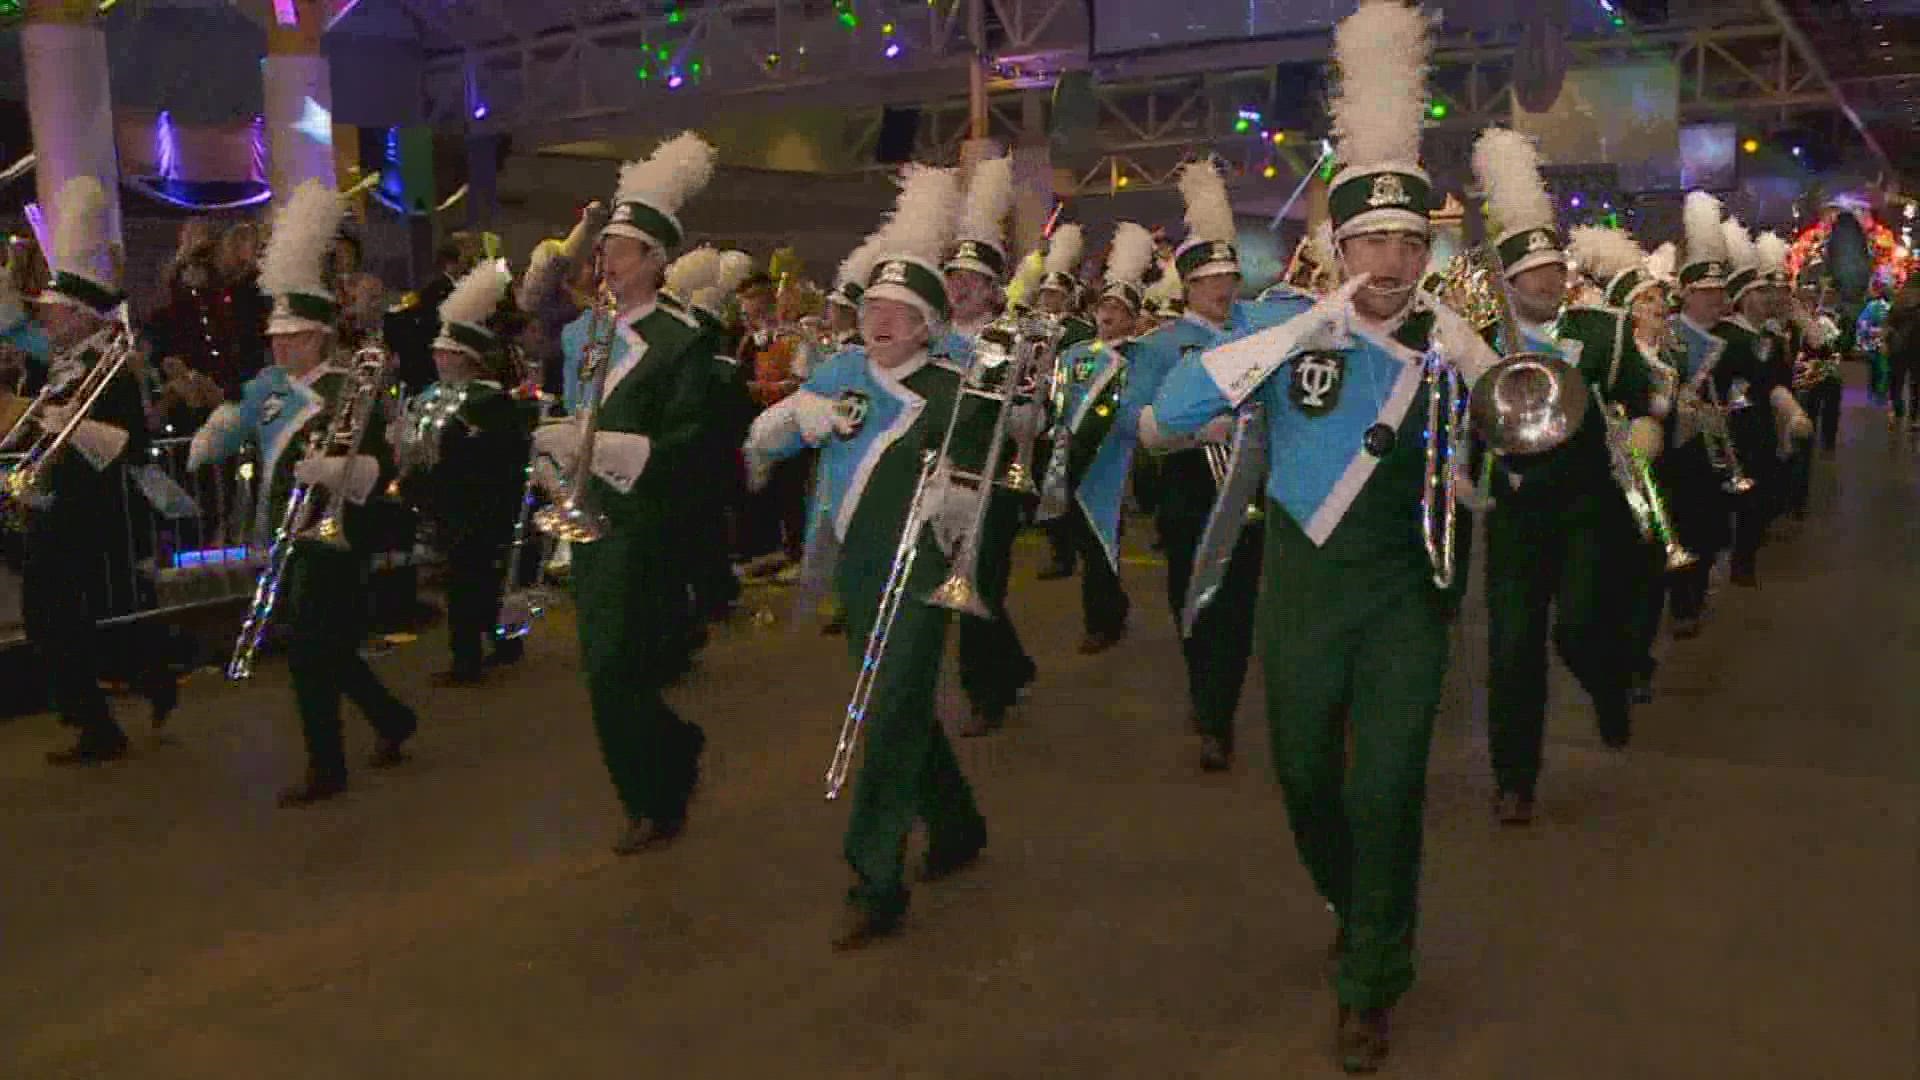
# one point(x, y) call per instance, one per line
point(285, 13)
point(674, 81)
point(1575, 202)
point(892, 50)
point(480, 112)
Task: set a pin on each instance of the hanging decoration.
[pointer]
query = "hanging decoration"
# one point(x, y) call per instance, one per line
point(1887, 260)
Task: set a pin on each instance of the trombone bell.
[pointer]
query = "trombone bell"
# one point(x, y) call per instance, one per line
point(1679, 558)
point(1529, 403)
point(571, 522)
point(958, 593)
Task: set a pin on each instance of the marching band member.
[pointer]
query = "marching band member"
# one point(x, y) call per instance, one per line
point(1814, 343)
point(1628, 284)
point(1353, 624)
point(693, 289)
point(994, 665)
point(652, 406)
point(1059, 291)
point(1094, 377)
point(1208, 265)
point(873, 412)
point(1754, 368)
point(1692, 471)
point(280, 409)
point(62, 589)
point(843, 303)
point(1561, 545)
point(469, 440)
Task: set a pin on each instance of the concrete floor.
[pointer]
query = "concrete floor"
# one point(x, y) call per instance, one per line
point(1734, 899)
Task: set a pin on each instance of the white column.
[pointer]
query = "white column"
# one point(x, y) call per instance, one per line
point(70, 106)
point(299, 111)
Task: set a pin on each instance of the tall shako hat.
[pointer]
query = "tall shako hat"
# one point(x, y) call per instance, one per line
point(1208, 249)
point(851, 279)
point(652, 191)
point(1381, 54)
point(1507, 165)
point(1742, 257)
point(689, 273)
point(1064, 249)
point(731, 271)
point(1128, 258)
point(1706, 265)
point(297, 250)
point(1660, 265)
point(1614, 262)
point(982, 246)
point(464, 313)
point(1772, 261)
point(82, 257)
point(907, 264)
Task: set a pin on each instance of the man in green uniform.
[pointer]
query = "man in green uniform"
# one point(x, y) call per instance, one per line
point(325, 602)
point(873, 413)
point(1353, 621)
point(652, 409)
point(1561, 547)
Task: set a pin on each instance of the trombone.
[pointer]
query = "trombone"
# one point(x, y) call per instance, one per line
point(1015, 347)
point(25, 486)
point(1447, 404)
point(573, 517)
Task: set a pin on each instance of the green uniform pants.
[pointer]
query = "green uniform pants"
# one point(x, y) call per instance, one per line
point(909, 772)
point(1569, 568)
point(1359, 649)
point(624, 593)
point(328, 609)
point(994, 665)
point(1222, 642)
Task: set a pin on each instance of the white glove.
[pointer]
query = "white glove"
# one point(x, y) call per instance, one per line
point(1800, 427)
point(620, 457)
point(1025, 421)
point(1645, 436)
point(559, 440)
point(353, 476)
point(99, 443)
point(1466, 491)
point(54, 417)
point(949, 510)
point(546, 475)
point(815, 417)
point(1217, 430)
point(759, 472)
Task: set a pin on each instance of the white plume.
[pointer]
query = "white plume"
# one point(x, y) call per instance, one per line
point(695, 270)
point(1701, 217)
point(1064, 250)
point(668, 178)
point(1131, 253)
point(1026, 278)
point(989, 198)
point(1662, 264)
point(80, 236)
point(1772, 252)
point(858, 265)
point(709, 299)
point(1508, 167)
point(734, 268)
point(544, 270)
point(923, 217)
point(1319, 243)
point(1381, 54)
point(1740, 250)
point(1166, 286)
point(302, 236)
point(477, 294)
point(1209, 211)
point(1604, 253)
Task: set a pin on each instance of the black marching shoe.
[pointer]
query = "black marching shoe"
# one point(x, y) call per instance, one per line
point(1215, 754)
point(1513, 808)
point(505, 653)
point(859, 928)
point(1056, 572)
point(1100, 641)
point(311, 789)
point(645, 833)
point(1640, 691)
point(91, 750)
point(983, 721)
point(1362, 1039)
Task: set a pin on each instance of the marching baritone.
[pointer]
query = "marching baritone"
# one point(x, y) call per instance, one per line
point(1092, 380)
point(877, 414)
point(466, 445)
point(72, 492)
point(1562, 552)
point(283, 411)
point(1354, 615)
point(1217, 650)
point(645, 385)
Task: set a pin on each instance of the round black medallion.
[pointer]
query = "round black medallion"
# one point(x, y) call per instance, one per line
point(1379, 440)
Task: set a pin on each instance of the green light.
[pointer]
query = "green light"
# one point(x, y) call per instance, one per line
point(1437, 110)
point(642, 73)
point(697, 66)
point(849, 20)
point(1619, 22)
point(1242, 126)
point(662, 52)
point(675, 17)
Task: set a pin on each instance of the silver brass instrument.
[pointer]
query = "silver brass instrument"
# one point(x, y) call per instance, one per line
point(1529, 402)
point(1020, 475)
point(342, 435)
point(1719, 441)
point(573, 517)
point(1447, 403)
point(25, 486)
point(1634, 476)
point(1029, 338)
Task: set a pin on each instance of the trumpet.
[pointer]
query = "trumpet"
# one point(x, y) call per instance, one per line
point(25, 486)
point(1719, 443)
point(1634, 475)
point(1048, 329)
point(346, 429)
point(573, 517)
